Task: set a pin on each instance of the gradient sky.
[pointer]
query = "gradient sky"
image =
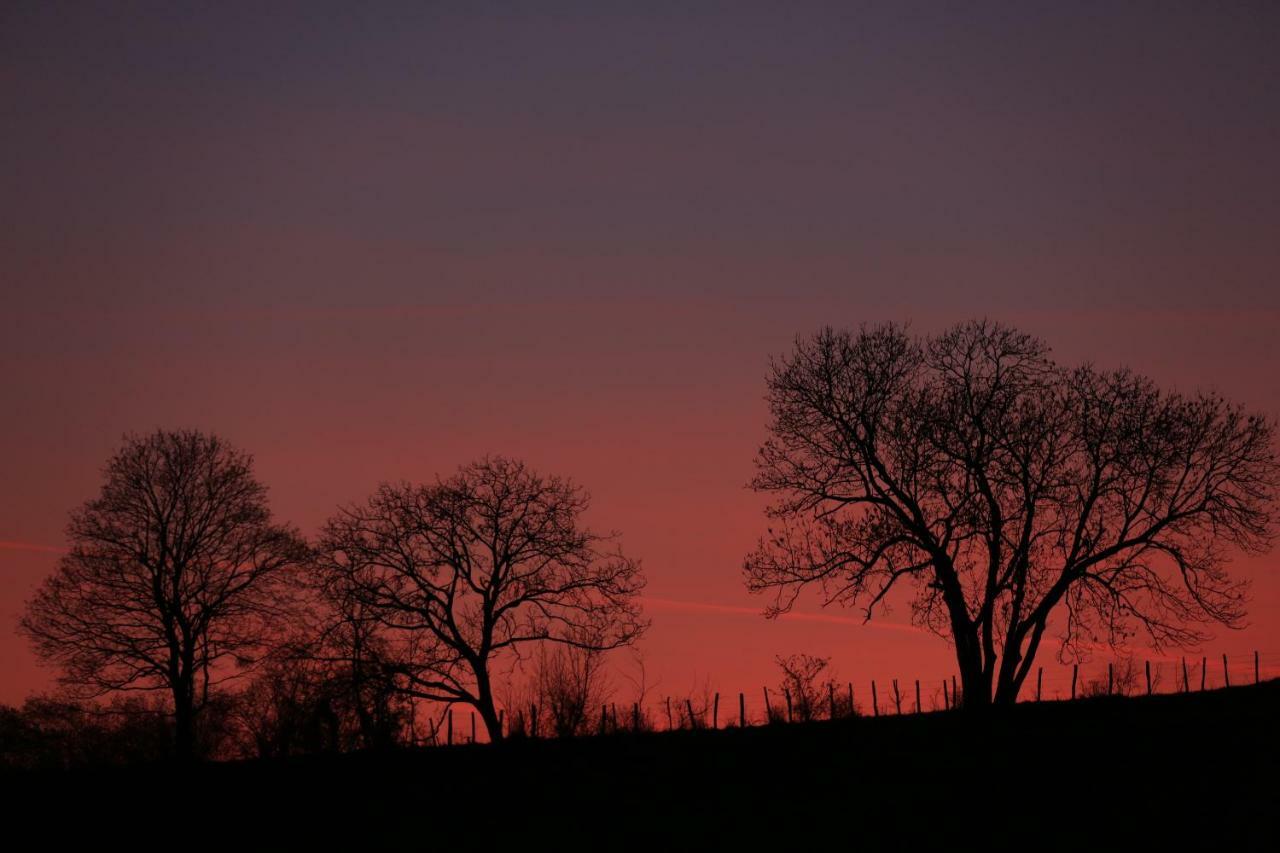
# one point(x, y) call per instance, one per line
point(375, 243)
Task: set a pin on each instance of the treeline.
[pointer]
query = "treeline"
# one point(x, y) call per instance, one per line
point(250, 639)
point(1012, 497)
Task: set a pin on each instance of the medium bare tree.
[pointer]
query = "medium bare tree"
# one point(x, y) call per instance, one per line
point(174, 575)
point(464, 570)
point(1012, 494)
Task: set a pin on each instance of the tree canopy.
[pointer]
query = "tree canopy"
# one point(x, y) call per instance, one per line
point(461, 571)
point(173, 576)
point(1015, 496)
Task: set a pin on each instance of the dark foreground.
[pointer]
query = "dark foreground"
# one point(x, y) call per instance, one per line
point(1194, 771)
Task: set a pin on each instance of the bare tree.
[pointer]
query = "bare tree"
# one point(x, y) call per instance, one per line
point(173, 576)
point(809, 683)
point(570, 687)
point(462, 571)
point(1006, 490)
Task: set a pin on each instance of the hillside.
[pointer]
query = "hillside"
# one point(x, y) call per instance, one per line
point(1192, 769)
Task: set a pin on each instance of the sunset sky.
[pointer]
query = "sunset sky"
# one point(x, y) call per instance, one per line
point(372, 244)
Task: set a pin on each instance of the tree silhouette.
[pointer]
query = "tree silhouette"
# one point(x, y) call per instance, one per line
point(172, 578)
point(570, 684)
point(459, 572)
point(1012, 493)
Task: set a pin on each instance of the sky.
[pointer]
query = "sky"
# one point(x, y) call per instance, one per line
point(374, 242)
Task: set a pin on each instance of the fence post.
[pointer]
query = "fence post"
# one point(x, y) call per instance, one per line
point(688, 706)
point(918, 708)
point(1075, 671)
point(1204, 668)
point(787, 693)
point(1039, 682)
point(946, 701)
point(831, 698)
point(450, 741)
point(875, 700)
point(432, 724)
point(897, 697)
point(1111, 678)
point(1148, 663)
point(768, 711)
point(1226, 675)
point(715, 712)
point(955, 694)
point(742, 711)
point(1186, 682)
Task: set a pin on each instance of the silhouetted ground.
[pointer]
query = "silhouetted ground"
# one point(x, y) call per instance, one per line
point(1198, 771)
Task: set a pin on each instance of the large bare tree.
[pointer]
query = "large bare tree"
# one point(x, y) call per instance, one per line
point(173, 576)
point(464, 570)
point(1013, 495)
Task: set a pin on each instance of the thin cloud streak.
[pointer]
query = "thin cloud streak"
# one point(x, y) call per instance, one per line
point(798, 616)
point(13, 545)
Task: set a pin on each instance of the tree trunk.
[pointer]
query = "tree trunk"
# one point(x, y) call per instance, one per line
point(484, 705)
point(974, 678)
point(975, 686)
point(183, 724)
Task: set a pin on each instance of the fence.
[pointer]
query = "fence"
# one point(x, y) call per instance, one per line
point(878, 697)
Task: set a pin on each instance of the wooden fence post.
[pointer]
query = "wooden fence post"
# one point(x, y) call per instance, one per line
point(742, 711)
point(450, 741)
point(688, 705)
point(432, 724)
point(715, 712)
point(1075, 671)
point(918, 708)
point(1204, 668)
point(1039, 682)
point(875, 700)
point(1186, 682)
point(670, 726)
point(1148, 664)
point(1226, 675)
point(946, 700)
point(768, 711)
point(897, 697)
point(956, 698)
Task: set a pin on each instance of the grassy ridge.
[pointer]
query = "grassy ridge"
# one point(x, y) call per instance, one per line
point(1198, 769)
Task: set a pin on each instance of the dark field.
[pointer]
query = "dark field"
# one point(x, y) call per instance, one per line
point(1193, 770)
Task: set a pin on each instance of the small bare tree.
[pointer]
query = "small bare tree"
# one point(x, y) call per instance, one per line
point(802, 683)
point(462, 571)
point(174, 575)
point(571, 686)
